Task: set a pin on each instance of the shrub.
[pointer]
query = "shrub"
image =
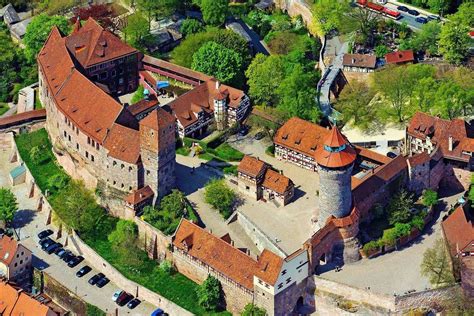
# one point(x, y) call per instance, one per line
point(57, 182)
point(191, 26)
point(230, 170)
point(253, 310)
point(222, 198)
point(418, 222)
point(209, 293)
point(138, 95)
point(270, 150)
point(371, 246)
point(399, 208)
point(166, 266)
point(430, 198)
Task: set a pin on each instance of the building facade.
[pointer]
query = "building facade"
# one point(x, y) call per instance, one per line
point(121, 151)
point(15, 260)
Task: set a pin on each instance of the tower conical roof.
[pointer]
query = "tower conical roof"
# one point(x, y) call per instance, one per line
point(336, 151)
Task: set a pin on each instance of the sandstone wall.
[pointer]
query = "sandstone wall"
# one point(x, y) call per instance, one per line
point(156, 243)
point(295, 8)
point(236, 297)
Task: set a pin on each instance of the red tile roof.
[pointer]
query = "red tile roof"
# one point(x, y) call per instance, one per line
point(439, 130)
point(399, 57)
point(359, 60)
point(140, 195)
point(459, 230)
point(251, 166)
point(21, 118)
point(301, 136)
point(123, 143)
point(202, 98)
point(8, 247)
point(276, 182)
point(143, 105)
point(199, 76)
point(336, 151)
point(419, 159)
point(269, 267)
point(91, 44)
point(223, 257)
point(14, 302)
point(158, 119)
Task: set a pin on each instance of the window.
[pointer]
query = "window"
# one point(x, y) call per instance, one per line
point(88, 140)
point(115, 182)
point(114, 163)
point(77, 146)
point(283, 272)
point(97, 146)
point(65, 134)
point(21, 261)
point(122, 185)
point(122, 166)
point(87, 154)
point(69, 137)
point(16, 264)
point(288, 280)
point(280, 285)
point(114, 73)
point(92, 158)
point(22, 253)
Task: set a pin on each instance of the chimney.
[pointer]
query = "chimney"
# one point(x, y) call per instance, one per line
point(450, 143)
point(232, 243)
point(218, 85)
point(281, 172)
point(248, 252)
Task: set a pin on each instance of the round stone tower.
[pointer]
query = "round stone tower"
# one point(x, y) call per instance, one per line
point(335, 160)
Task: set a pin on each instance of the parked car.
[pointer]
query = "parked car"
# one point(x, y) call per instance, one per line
point(413, 12)
point(46, 240)
point(53, 247)
point(47, 243)
point(433, 17)
point(158, 312)
point(66, 256)
point(421, 20)
point(59, 252)
point(133, 303)
point(243, 130)
point(259, 135)
point(116, 295)
point(102, 282)
point(45, 233)
point(95, 278)
point(124, 298)
point(402, 8)
point(83, 271)
point(391, 154)
point(75, 261)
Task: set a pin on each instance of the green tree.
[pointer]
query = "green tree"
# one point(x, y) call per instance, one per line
point(427, 39)
point(454, 41)
point(38, 31)
point(355, 104)
point(167, 216)
point(399, 208)
point(57, 182)
point(209, 293)
point(430, 198)
point(156, 8)
point(36, 155)
point(439, 6)
point(297, 94)
point(363, 22)
point(436, 266)
point(222, 198)
point(465, 14)
point(450, 99)
point(218, 61)
point(253, 310)
point(124, 241)
point(191, 26)
point(8, 205)
point(424, 94)
point(138, 95)
point(381, 51)
point(214, 12)
point(136, 29)
point(264, 76)
point(327, 15)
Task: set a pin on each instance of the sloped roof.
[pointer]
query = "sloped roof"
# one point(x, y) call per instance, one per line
point(143, 105)
point(251, 166)
point(8, 247)
point(123, 143)
point(269, 266)
point(158, 119)
point(336, 151)
point(276, 181)
point(91, 44)
point(439, 130)
point(27, 305)
point(419, 159)
point(216, 253)
point(8, 298)
point(402, 56)
point(301, 136)
point(140, 195)
point(459, 230)
point(9, 14)
point(359, 60)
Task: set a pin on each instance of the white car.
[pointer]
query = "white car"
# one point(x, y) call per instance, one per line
point(116, 295)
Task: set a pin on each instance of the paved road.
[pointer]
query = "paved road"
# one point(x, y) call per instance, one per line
point(28, 223)
point(11, 110)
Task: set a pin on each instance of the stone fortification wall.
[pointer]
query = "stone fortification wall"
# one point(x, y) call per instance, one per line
point(236, 297)
point(261, 240)
point(295, 8)
point(155, 243)
point(115, 276)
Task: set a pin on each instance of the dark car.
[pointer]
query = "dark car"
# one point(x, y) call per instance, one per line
point(102, 282)
point(83, 271)
point(59, 252)
point(421, 20)
point(75, 261)
point(243, 130)
point(45, 243)
point(124, 298)
point(96, 278)
point(66, 256)
point(413, 12)
point(402, 8)
point(45, 233)
point(259, 135)
point(52, 248)
point(158, 312)
point(133, 303)
point(391, 154)
point(433, 17)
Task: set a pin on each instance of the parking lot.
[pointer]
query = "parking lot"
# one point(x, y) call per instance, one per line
point(29, 223)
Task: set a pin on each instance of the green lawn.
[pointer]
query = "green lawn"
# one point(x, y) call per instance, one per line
point(176, 288)
point(3, 108)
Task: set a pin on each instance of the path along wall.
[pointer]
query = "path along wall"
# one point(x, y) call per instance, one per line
point(333, 295)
